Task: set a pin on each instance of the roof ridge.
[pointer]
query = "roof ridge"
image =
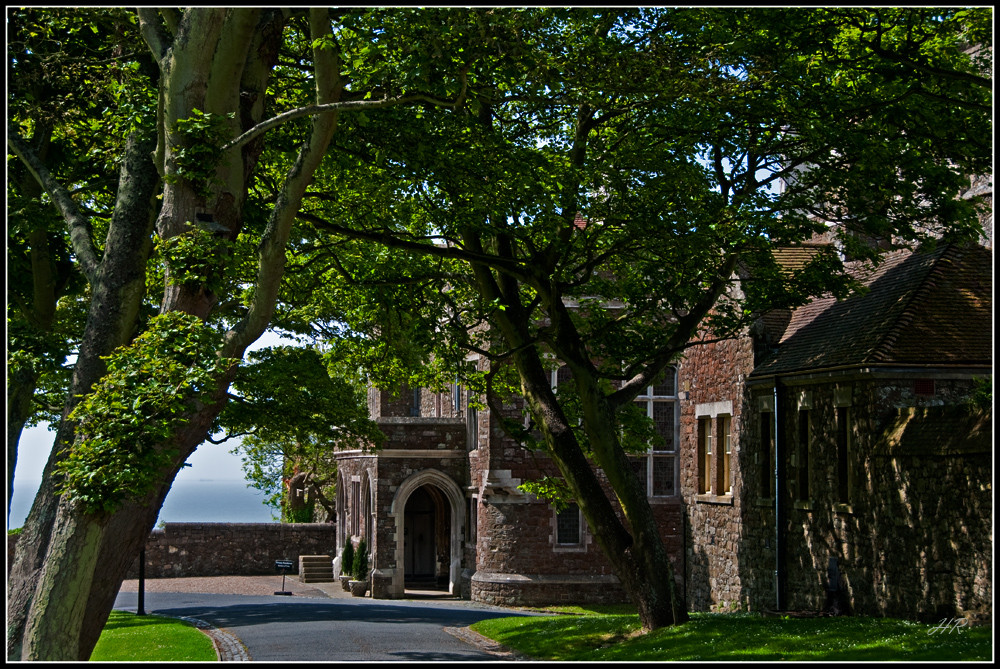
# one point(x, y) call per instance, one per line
point(881, 352)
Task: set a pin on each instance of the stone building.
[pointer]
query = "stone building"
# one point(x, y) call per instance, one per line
point(855, 411)
point(439, 505)
point(858, 413)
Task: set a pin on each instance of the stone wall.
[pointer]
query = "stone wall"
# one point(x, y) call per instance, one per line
point(423, 434)
point(546, 590)
point(241, 549)
point(711, 378)
point(914, 538)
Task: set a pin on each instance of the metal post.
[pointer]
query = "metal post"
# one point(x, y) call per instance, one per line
point(140, 608)
point(779, 512)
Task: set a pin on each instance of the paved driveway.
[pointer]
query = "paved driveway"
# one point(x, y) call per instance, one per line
point(343, 629)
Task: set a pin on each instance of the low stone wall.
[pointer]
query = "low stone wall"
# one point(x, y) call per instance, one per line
point(543, 589)
point(232, 549)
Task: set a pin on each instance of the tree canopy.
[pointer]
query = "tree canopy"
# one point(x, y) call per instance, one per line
point(292, 414)
point(611, 194)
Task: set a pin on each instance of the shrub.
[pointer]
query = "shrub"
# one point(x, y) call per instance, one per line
point(982, 393)
point(347, 558)
point(303, 514)
point(360, 566)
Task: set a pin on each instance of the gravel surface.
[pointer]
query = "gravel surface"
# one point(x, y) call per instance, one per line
point(236, 585)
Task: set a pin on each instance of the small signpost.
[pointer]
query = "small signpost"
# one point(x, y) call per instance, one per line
point(140, 609)
point(283, 566)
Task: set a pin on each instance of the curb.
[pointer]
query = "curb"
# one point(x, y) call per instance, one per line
point(227, 646)
point(485, 644)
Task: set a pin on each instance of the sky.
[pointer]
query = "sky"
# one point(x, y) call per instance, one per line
point(210, 461)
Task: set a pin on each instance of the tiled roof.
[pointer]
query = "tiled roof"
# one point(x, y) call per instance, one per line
point(921, 308)
point(791, 258)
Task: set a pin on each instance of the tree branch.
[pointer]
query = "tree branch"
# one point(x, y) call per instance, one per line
point(271, 252)
point(153, 32)
point(171, 17)
point(227, 437)
point(388, 239)
point(312, 110)
point(79, 230)
point(976, 80)
point(683, 333)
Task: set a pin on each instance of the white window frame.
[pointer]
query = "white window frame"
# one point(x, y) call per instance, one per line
point(719, 418)
point(650, 398)
point(456, 398)
point(579, 526)
point(725, 454)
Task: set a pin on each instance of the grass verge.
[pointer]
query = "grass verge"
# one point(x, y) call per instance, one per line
point(735, 637)
point(131, 638)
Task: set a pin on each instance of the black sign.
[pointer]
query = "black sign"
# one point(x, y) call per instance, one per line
point(283, 564)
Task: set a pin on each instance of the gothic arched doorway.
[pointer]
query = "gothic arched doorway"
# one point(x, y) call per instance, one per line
point(426, 540)
point(429, 515)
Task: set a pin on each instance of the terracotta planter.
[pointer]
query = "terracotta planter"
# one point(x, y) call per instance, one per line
point(359, 588)
point(344, 582)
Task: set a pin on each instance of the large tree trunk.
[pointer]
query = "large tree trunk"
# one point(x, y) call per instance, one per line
point(128, 529)
point(117, 293)
point(60, 599)
point(187, 66)
point(636, 552)
point(645, 568)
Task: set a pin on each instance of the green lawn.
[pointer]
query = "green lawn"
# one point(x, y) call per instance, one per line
point(131, 638)
point(735, 637)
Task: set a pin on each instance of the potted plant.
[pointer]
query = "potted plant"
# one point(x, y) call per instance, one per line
point(359, 586)
point(346, 564)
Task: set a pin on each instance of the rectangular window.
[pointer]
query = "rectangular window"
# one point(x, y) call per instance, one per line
point(472, 428)
point(470, 527)
point(659, 402)
point(704, 455)
point(803, 456)
point(355, 507)
point(844, 478)
point(562, 376)
point(663, 475)
point(766, 456)
point(725, 455)
point(415, 406)
point(663, 422)
point(568, 526)
point(456, 397)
